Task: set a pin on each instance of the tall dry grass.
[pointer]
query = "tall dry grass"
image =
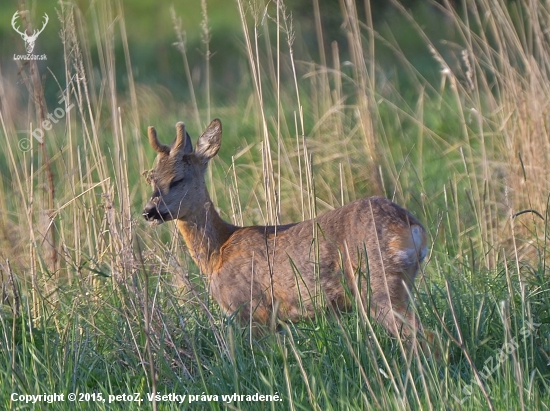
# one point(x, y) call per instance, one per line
point(500, 88)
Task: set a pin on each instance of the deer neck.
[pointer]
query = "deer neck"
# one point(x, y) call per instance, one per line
point(204, 234)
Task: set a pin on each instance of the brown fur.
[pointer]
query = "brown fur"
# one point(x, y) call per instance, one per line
point(289, 271)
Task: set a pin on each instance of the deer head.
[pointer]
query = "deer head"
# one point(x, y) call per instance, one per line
point(178, 178)
point(29, 40)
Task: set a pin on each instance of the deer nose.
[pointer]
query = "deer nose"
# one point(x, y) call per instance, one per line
point(151, 212)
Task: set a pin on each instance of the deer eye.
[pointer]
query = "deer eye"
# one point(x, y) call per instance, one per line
point(175, 183)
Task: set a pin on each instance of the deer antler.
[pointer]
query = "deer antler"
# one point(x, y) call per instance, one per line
point(155, 143)
point(13, 22)
point(36, 33)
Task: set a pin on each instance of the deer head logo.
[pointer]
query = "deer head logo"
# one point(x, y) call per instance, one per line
point(29, 40)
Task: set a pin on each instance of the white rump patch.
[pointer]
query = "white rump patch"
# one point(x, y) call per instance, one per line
point(417, 240)
point(417, 252)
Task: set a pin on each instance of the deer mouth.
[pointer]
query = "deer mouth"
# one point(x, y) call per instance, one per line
point(153, 215)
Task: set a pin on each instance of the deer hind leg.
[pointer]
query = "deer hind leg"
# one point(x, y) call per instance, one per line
point(390, 306)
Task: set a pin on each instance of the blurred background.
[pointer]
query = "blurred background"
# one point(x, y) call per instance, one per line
point(156, 61)
point(380, 93)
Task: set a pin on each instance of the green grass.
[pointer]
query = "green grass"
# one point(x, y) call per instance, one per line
point(122, 309)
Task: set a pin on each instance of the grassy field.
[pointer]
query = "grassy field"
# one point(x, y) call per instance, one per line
point(98, 304)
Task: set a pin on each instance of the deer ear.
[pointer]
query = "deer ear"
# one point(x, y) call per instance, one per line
point(210, 141)
point(188, 146)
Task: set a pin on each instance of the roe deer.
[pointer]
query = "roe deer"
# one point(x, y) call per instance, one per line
point(286, 272)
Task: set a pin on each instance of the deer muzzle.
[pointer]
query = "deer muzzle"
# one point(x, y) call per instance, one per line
point(151, 212)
